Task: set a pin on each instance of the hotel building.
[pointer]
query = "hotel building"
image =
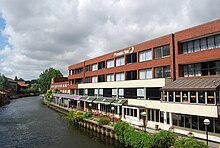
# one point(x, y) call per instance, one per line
point(175, 79)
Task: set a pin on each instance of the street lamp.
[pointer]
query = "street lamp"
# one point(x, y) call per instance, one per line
point(113, 110)
point(144, 114)
point(90, 106)
point(206, 122)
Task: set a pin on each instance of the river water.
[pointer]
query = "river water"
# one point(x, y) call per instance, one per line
point(27, 123)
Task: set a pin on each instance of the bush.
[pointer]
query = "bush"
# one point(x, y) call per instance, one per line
point(164, 139)
point(189, 143)
point(75, 116)
point(104, 121)
point(87, 115)
point(120, 128)
point(127, 134)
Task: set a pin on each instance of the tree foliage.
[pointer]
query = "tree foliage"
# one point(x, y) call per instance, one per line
point(4, 82)
point(189, 143)
point(45, 78)
point(128, 135)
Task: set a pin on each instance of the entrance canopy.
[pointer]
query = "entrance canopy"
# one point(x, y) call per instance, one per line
point(119, 102)
point(87, 99)
point(194, 84)
point(106, 101)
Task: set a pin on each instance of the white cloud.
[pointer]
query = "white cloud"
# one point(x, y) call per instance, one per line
point(47, 33)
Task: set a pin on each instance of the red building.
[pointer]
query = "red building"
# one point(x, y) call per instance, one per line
point(174, 79)
point(61, 83)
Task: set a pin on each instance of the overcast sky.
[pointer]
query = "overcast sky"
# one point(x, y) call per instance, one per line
point(37, 34)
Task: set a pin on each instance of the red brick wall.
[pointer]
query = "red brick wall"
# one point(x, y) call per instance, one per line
point(201, 56)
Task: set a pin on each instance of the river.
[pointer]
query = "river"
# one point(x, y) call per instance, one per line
point(26, 122)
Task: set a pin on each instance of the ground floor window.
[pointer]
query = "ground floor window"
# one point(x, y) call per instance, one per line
point(196, 122)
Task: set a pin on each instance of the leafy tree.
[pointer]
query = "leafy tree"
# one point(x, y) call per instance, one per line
point(56, 91)
point(45, 78)
point(16, 78)
point(4, 82)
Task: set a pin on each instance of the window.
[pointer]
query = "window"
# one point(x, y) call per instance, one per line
point(120, 76)
point(101, 78)
point(185, 97)
point(88, 68)
point(145, 55)
point(171, 96)
point(110, 63)
point(130, 93)
point(211, 42)
point(210, 97)
point(140, 92)
point(131, 75)
point(145, 74)
point(120, 61)
point(160, 52)
point(121, 93)
point(131, 58)
point(202, 69)
point(91, 92)
point(79, 70)
point(110, 77)
point(94, 67)
point(192, 97)
point(177, 96)
point(107, 92)
point(153, 93)
point(161, 117)
point(201, 97)
point(94, 79)
point(204, 43)
point(88, 80)
point(190, 46)
point(79, 81)
point(162, 72)
point(217, 41)
point(101, 65)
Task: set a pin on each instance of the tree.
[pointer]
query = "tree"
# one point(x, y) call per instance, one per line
point(45, 78)
point(4, 82)
point(16, 78)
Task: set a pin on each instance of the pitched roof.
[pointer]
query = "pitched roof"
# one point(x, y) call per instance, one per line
point(22, 84)
point(194, 83)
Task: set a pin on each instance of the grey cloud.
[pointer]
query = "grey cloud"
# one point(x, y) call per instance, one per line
point(47, 33)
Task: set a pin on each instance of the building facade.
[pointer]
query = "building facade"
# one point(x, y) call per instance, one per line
point(61, 83)
point(174, 79)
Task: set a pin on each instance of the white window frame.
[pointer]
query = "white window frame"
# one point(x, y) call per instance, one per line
point(110, 63)
point(94, 67)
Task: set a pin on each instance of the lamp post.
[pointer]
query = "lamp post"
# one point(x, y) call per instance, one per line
point(90, 106)
point(206, 122)
point(144, 120)
point(113, 110)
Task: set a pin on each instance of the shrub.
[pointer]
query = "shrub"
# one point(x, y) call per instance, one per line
point(164, 139)
point(189, 143)
point(87, 115)
point(120, 128)
point(75, 116)
point(104, 121)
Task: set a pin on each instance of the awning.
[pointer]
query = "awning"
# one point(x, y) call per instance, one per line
point(211, 83)
point(106, 101)
point(134, 106)
point(66, 96)
point(119, 102)
point(87, 99)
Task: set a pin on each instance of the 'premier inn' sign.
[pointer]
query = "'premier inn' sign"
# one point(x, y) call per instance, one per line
point(126, 51)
